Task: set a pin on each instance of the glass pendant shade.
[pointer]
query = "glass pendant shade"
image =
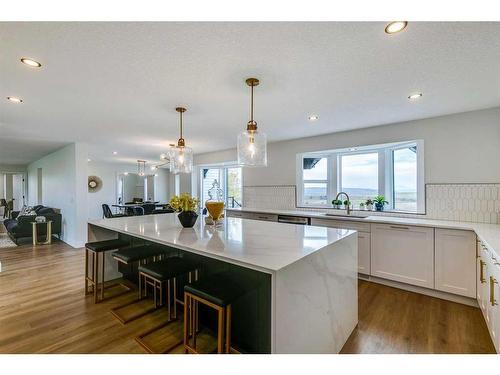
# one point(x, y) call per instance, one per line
point(252, 149)
point(181, 159)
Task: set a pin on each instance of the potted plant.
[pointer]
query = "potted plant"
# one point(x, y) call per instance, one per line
point(362, 206)
point(186, 205)
point(369, 204)
point(379, 202)
point(347, 204)
point(336, 203)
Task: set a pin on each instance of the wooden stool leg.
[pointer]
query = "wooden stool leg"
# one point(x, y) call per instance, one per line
point(86, 271)
point(154, 293)
point(102, 275)
point(96, 275)
point(228, 329)
point(140, 286)
point(220, 330)
point(186, 332)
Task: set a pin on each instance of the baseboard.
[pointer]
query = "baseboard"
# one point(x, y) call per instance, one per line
point(418, 289)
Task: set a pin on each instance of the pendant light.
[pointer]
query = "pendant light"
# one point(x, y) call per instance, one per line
point(181, 157)
point(141, 167)
point(252, 144)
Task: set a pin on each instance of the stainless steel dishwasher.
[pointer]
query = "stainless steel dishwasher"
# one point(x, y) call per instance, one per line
point(294, 220)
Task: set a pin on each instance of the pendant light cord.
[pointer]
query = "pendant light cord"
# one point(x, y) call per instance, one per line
point(251, 106)
point(181, 123)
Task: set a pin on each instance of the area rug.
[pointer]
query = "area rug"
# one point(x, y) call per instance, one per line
point(5, 241)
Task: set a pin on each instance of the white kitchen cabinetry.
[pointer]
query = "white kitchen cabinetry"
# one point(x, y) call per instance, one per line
point(252, 215)
point(403, 253)
point(488, 292)
point(455, 261)
point(363, 238)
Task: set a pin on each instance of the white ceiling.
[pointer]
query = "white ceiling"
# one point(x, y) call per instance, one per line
point(115, 85)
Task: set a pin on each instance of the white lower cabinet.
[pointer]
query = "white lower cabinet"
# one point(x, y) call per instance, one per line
point(455, 265)
point(488, 291)
point(364, 253)
point(403, 253)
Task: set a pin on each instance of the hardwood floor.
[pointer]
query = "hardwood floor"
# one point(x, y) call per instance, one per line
point(396, 321)
point(43, 310)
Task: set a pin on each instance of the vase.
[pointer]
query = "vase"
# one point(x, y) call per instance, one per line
point(379, 206)
point(188, 218)
point(369, 207)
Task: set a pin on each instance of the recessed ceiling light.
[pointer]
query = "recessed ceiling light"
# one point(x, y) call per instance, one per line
point(353, 149)
point(31, 62)
point(395, 27)
point(313, 118)
point(125, 173)
point(89, 160)
point(415, 96)
point(14, 99)
point(115, 152)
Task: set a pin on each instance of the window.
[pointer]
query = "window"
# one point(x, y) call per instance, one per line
point(405, 179)
point(394, 170)
point(315, 177)
point(359, 176)
point(230, 182)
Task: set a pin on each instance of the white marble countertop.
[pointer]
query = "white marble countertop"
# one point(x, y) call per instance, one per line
point(265, 246)
point(488, 233)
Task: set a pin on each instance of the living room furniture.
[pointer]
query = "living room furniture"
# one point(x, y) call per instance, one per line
point(19, 226)
point(48, 236)
point(3, 203)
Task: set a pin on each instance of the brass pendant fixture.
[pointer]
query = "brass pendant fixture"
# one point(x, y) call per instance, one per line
point(252, 144)
point(181, 157)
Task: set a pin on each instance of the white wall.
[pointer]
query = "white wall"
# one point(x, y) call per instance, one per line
point(64, 187)
point(459, 148)
point(162, 182)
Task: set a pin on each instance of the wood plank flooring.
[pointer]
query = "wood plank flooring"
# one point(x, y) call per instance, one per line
point(43, 310)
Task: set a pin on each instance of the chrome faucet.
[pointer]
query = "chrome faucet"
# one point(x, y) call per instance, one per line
point(347, 196)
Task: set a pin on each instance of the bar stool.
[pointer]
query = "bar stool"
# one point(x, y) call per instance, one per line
point(217, 291)
point(135, 255)
point(161, 274)
point(96, 248)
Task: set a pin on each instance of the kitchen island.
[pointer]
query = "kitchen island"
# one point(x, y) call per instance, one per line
point(305, 298)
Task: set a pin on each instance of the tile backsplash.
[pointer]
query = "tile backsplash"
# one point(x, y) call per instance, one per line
point(459, 202)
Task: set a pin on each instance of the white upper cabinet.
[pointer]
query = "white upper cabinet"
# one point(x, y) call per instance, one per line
point(455, 262)
point(403, 253)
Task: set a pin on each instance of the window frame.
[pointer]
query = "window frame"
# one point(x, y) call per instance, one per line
point(385, 172)
point(197, 184)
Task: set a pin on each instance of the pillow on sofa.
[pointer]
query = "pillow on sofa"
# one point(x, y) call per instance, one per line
point(26, 211)
point(45, 211)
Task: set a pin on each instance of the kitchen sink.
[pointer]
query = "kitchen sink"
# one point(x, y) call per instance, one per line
point(347, 216)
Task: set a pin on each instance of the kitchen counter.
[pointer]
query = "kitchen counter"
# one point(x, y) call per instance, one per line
point(487, 233)
point(305, 277)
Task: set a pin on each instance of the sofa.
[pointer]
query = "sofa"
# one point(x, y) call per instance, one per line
point(19, 226)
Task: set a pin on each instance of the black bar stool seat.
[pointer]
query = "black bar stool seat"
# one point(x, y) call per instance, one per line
point(217, 291)
point(96, 248)
point(136, 254)
point(168, 268)
point(220, 289)
point(106, 245)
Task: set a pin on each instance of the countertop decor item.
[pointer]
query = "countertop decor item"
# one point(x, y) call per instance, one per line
point(94, 184)
point(215, 203)
point(252, 144)
point(180, 156)
point(369, 204)
point(40, 219)
point(380, 202)
point(186, 205)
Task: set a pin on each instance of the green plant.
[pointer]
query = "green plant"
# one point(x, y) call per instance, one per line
point(368, 202)
point(347, 203)
point(336, 202)
point(184, 202)
point(361, 204)
point(380, 199)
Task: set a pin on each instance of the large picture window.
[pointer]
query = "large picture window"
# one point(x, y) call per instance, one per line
point(394, 170)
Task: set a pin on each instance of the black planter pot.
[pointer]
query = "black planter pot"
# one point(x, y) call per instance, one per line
point(379, 206)
point(188, 218)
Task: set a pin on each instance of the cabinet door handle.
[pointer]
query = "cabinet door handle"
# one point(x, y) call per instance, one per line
point(398, 227)
point(493, 281)
point(481, 271)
